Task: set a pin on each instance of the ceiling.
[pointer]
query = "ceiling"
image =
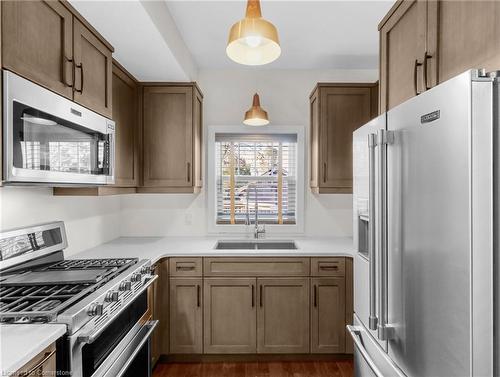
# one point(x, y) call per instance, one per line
point(313, 34)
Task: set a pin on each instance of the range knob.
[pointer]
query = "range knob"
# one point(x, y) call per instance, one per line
point(111, 296)
point(136, 277)
point(146, 270)
point(94, 309)
point(125, 286)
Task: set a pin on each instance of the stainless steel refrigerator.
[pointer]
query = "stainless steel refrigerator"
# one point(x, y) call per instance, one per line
point(426, 234)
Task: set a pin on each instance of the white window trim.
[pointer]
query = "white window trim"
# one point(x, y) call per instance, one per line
point(271, 229)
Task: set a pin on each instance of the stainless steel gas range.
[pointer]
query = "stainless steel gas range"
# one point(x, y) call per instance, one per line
point(102, 302)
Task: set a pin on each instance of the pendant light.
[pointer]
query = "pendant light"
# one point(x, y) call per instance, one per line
point(256, 116)
point(253, 40)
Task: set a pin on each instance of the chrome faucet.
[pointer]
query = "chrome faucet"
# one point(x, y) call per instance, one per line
point(259, 231)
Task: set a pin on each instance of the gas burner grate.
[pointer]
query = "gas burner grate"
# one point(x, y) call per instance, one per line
point(71, 264)
point(40, 302)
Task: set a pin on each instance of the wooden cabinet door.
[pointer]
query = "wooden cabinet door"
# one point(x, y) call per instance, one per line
point(186, 315)
point(283, 315)
point(37, 43)
point(93, 64)
point(462, 35)
point(197, 139)
point(125, 115)
point(314, 140)
point(402, 50)
point(342, 110)
point(168, 136)
point(230, 320)
point(328, 315)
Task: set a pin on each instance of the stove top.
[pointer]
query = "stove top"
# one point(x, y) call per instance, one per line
point(40, 294)
point(37, 284)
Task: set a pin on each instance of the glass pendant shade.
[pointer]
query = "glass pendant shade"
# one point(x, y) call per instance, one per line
point(253, 40)
point(256, 116)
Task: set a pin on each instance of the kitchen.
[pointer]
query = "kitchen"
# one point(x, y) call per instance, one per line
point(249, 188)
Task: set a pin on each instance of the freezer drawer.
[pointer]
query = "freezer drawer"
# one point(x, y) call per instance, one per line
point(369, 359)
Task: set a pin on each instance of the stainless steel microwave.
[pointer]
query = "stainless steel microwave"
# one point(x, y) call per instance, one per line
point(48, 139)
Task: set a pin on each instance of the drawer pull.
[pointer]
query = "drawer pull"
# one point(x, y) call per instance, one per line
point(184, 268)
point(329, 268)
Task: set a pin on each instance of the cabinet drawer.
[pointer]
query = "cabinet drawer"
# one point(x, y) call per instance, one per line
point(328, 266)
point(185, 267)
point(250, 266)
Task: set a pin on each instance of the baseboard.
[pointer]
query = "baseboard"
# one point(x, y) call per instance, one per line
point(194, 358)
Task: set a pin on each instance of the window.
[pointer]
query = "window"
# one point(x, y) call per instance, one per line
point(256, 173)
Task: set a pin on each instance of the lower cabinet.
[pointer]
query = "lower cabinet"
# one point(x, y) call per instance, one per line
point(327, 315)
point(300, 312)
point(283, 315)
point(186, 315)
point(230, 315)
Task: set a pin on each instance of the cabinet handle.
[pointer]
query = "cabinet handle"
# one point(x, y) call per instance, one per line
point(184, 268)
point(260, 296)
point(80, 66)
point(324, 172)
point(65, 72)
point(315, 296)
point(415, 76)
point(253, 295)
point(198, 289)
point(189, 172)
point(46, 357)
point(427, 56)
point(329, 268)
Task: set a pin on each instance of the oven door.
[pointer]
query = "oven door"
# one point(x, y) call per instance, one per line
point(121, 348)
point(132, 356)
point(51, 140)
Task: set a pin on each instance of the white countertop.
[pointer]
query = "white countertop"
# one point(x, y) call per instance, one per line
point(154, 248)
point(21, 343)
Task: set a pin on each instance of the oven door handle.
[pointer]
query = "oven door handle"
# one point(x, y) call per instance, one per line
point(129, 352)
point(90, 337)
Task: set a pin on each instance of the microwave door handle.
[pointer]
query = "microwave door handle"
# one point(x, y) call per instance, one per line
point(384, 330)
point(372, 320)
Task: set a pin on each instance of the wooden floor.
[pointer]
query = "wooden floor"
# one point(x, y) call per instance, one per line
point(342, 368)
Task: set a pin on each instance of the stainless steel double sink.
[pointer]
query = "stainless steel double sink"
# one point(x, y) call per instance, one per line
point(255, 245)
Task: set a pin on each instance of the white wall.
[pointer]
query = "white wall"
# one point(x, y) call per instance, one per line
point(89, 221)
point(227, 95)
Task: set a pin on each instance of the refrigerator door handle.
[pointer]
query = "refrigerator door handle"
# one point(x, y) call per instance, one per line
point(355, 333)
point(372, 320)
point(385, 332)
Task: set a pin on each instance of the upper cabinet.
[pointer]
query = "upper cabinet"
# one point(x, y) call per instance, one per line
point(172, 138)
point(125, 115)
point(49, 43)
point(337, 110)
point(426, 42)
point(93, 63)
point(37, 42)
point(402, 48)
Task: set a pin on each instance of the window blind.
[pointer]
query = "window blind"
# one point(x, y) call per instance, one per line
point(256, 169)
